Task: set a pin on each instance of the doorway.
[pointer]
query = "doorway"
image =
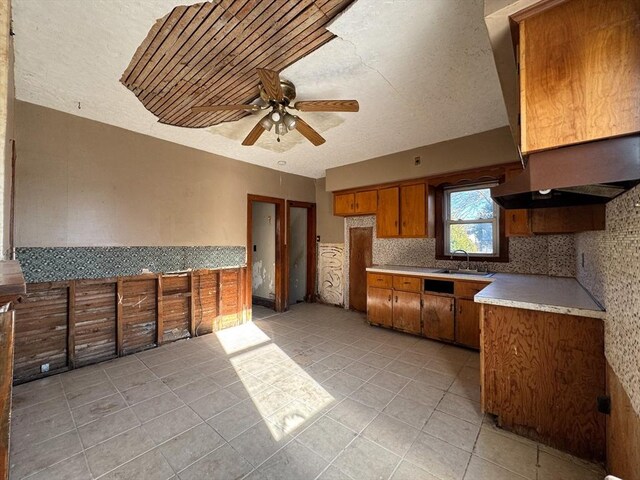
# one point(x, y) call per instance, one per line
point(301, 252)
point(265, 245)
point(360, 257)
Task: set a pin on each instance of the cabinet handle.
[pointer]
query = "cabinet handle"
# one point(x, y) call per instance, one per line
point(357, 205)
point(389, 297)
point(451, 307)
point(513, 217)
point(396, 299)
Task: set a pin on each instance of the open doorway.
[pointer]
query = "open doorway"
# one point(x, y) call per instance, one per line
point(265, 244)
point(301, 252)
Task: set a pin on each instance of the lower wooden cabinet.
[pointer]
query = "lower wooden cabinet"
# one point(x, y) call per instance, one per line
point(397, 301)
point(406, 312)
point(380, 306)
point(468, 323)
point(438, 317)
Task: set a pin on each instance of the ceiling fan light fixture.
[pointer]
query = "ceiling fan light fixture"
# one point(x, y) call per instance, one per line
point(290, 121)
point(276, 116)
point(281, 129)
point(266, 122)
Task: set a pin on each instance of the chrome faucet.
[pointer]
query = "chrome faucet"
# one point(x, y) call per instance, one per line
point(466, 253)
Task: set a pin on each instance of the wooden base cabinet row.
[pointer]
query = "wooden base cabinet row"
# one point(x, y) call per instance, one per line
point(440, 317)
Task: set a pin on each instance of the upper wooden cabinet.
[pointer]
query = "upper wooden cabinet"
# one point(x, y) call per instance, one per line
point(388, 215)
point(358, 203)
point(579, 71)
point(402, 211)
point(413, 210)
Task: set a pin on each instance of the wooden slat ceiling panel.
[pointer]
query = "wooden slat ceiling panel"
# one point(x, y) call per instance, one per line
point(208, 53)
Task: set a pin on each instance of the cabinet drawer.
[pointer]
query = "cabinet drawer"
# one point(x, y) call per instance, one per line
point(409, 284)
point(468, 289)
point(379, 280)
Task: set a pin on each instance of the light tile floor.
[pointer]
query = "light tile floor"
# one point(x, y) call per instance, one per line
point(311, 393)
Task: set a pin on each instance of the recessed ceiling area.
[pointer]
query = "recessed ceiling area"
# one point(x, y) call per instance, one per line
point(423, 72)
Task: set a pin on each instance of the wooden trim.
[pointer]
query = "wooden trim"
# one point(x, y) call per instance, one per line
point(503, 256)
point(192, 307)
point(280, 277)
point(119, 316)
point(435, 180)
point(311, 248)
point(6, 380)
point(71, 325)
point(535, 9)
point(12, 199)
point(159, 311)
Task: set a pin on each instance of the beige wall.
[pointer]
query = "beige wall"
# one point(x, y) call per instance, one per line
point(84, 183)
point(483, 149)
point(7, 100)
point(329, 227)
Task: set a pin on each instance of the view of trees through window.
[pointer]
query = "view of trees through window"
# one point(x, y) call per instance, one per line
point(471, 221)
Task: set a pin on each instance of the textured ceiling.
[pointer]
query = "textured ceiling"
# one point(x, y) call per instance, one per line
point(422, 71)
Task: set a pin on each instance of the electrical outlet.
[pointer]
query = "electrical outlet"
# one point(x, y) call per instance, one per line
point(44, 368)
point(417, 161)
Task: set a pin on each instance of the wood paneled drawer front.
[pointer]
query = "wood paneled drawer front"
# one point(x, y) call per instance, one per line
point(408, 284)
point(379, 280)
point(468, 289)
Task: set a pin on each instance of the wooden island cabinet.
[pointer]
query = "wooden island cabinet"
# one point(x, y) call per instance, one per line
point(542, 374)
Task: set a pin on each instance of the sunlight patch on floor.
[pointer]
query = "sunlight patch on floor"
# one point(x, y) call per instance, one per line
point(283, 393)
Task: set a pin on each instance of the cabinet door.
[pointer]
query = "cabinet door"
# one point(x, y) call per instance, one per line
point(517, 223)
point(580, 218)
point(343, 204)
point(388, 212)
point(406, 312)
point(413, 210)
point(579, 64)
point(438, 317)
point(468, 323)
point(367, 202)
point(379, 306)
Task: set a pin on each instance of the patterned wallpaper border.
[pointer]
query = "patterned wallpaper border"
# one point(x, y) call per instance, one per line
point(68, 263)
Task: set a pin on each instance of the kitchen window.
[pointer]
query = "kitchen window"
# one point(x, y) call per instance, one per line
point(471, 221)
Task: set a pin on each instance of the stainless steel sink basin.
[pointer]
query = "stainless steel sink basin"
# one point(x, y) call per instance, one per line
point(463, 271)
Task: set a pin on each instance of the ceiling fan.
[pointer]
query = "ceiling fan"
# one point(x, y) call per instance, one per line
point(277, 95)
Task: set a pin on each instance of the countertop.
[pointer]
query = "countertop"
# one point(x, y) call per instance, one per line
point(531, 292)
point(12, 283)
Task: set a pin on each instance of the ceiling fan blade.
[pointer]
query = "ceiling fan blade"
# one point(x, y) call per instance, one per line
point(220, 108)
point(308, 132)
point(271, 81)
point(328, 106)
point(254, 135)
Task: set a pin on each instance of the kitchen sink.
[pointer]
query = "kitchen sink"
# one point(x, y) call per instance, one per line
point(464, 271)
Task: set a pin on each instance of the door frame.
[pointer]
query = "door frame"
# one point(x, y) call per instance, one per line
point(311, 249)
point(280, 277)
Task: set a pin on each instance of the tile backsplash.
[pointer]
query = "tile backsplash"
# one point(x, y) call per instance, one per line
point(611, 272)
point(68, 263)
point(542, 255)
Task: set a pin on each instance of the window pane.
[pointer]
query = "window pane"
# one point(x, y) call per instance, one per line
point(471, 237)
point(471, 204)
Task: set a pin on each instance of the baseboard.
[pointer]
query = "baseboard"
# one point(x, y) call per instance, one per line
point(623, 432)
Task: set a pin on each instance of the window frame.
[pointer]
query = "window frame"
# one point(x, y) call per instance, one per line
point(467, 178)
point(447, 221)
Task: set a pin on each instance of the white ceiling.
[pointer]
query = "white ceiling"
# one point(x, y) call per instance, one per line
point(422, 71)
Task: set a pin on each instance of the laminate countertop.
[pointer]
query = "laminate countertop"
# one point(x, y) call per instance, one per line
point(531, 292)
